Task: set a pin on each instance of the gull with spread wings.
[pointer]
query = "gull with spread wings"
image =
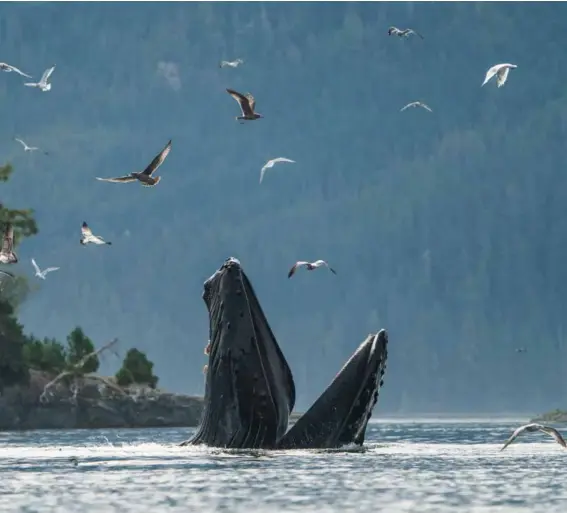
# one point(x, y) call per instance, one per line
point(309, 266)
point(145, 177)
point(8, 68)
point(271, 163)
point(417, 104)
point(43, 84)
point(501, 71)
point(394, 31)
point(247, 104)
point(7, 253)
point(41, 274)
point(26, 147)
point(232, 64)
point(530, 428)
point(88, 237)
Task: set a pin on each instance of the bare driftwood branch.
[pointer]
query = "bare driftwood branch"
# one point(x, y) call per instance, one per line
point(76, 368)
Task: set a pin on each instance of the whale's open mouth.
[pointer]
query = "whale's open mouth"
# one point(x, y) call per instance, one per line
point(250, 391)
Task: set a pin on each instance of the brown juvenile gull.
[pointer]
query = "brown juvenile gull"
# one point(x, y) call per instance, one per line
point(145, 177)
point(309, 266)
point(247, 104)
point(530, 428)
point(88, 237)
point(501, 71)
point(7, 254)
point(9, 68)
point(417, 104)
point(394, 31)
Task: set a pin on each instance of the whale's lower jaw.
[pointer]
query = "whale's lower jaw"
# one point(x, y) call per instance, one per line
point(250, 391)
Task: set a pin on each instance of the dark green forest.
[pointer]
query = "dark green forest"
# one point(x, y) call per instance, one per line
point(445, 228)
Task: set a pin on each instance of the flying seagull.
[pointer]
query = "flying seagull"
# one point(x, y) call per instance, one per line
point(42, 84)
point(417, 104)
point(271, 163)
point(530, 428)
point(501, 71)
point(28, 148)
point(232, 64)
point(7, 254)
point(41, 274)
point(88, 237)
point(309, 266)
point(145, 177)
point(394, 31)
point(247, 104)
point(8, 69)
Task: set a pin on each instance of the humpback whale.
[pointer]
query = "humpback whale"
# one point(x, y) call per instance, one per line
point(249, 388)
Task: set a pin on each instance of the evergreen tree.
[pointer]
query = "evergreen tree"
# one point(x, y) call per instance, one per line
point(136, 368)
point(13, 368)
point(79, 346)
point(47, 355)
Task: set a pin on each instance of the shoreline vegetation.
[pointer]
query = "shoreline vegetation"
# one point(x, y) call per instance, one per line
point(558, 416)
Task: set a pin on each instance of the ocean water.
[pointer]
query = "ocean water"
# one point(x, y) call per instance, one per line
point(416, 466)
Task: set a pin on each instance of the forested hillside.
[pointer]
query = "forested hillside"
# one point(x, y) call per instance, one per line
point(446, 228)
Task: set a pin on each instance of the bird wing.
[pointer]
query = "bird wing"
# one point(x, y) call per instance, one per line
point(490, 73)
point(515, 435)
point(426, 107)
point(158, 160)
point(118, 179)
point(36, 267)
point(50, 269)
point(8, 240)
point(13, 68)
point(85, 230)
point(21, 142)
point(97, 239)
point(555, 434)
point(242, 101)
point(502, 76)
point(46, 74)
point(319, 263)
point(282, 159)
point(416, 33)
point(294, 268)
point(411, 104)
point(251, 101)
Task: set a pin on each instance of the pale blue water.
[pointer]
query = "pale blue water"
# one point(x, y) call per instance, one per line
point(407, 467)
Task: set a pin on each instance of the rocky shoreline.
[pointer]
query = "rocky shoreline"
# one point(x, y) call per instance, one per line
point(94, 406)
point(557, 416)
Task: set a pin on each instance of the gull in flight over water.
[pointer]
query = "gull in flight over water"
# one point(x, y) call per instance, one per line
point(41, 274)
point(26, 147)
point(88, 237)
point(43, 84)
point(145, 177)
point(232, 64)
point(394, 31)
point(7, 254)
point(530, 428)
point(501, 71)
point(309, 266)
point(247, 104)
point(417, 104)
point(271, 163)
point(8, 69)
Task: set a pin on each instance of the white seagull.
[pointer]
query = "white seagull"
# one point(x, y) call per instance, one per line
point(88, 237)
point(42, 84)
point(41, 274)
point(501, 71)
point(9, 68)
point(271, 163)
point(309, 266)
point(232, 64)
point(417, 104)
point(530, 428)
point(394, 31)
point(28, 148)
